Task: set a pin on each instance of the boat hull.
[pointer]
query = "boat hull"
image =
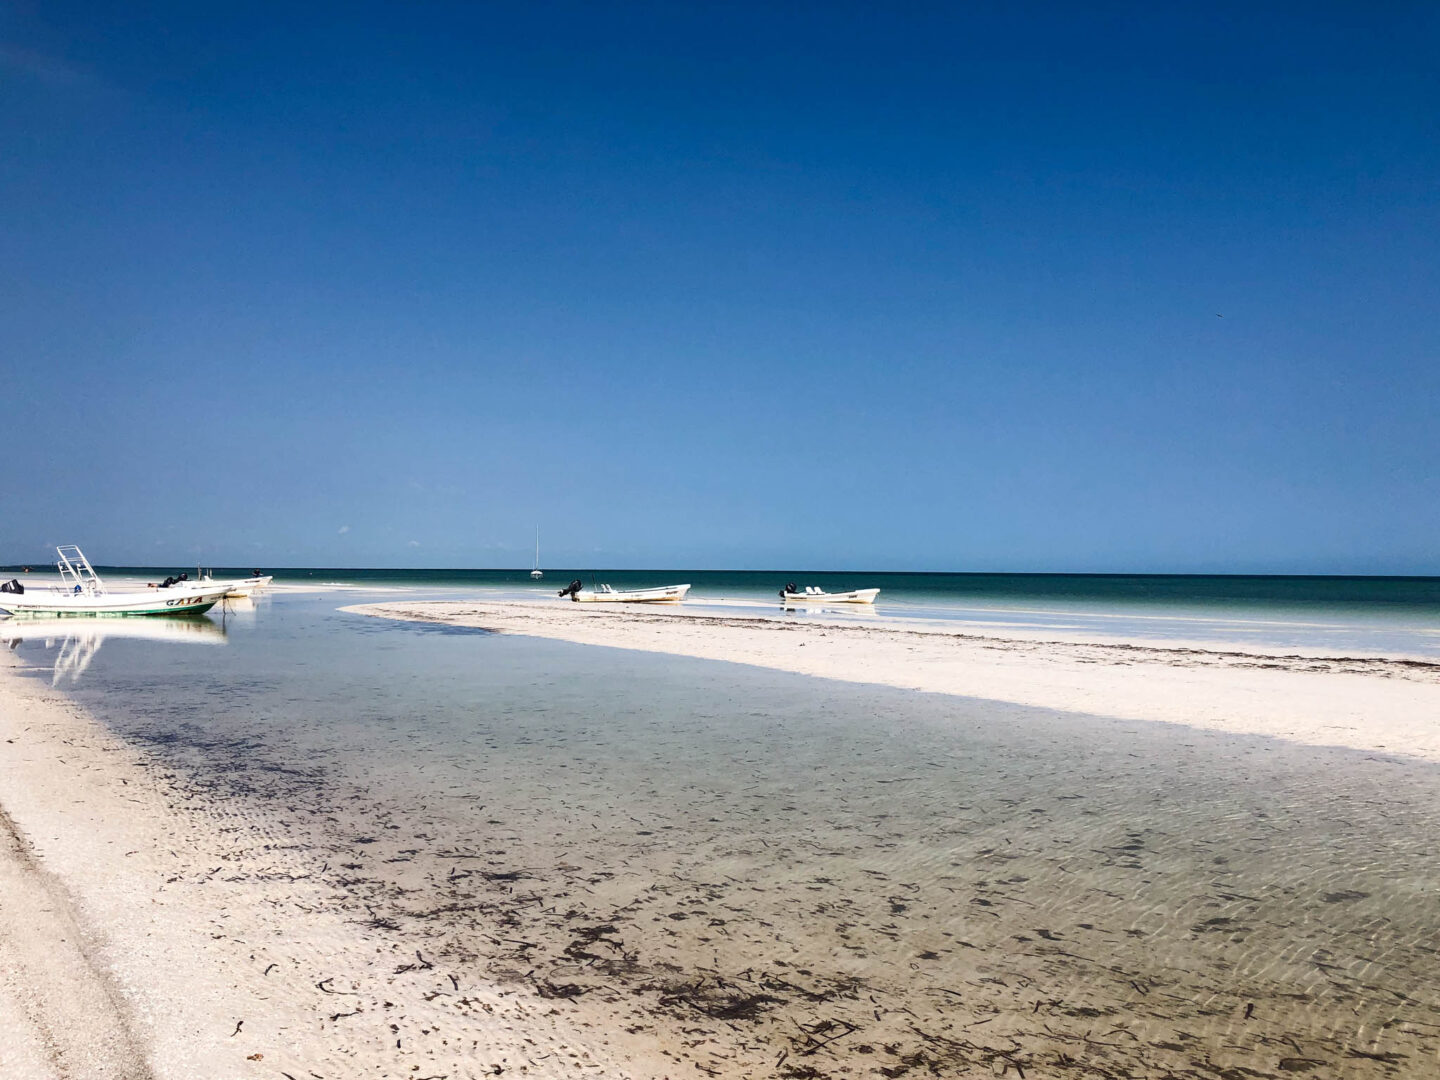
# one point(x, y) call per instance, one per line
point(663, 595)
point(856, 596)
point(161, 602)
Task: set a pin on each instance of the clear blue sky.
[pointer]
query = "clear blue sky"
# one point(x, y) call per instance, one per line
point(976, 287)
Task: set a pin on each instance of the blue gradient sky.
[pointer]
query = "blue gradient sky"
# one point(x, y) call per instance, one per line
point(1011, 287)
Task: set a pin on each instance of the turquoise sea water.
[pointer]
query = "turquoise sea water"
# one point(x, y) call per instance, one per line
point(1419, 596)
point(1397, 616)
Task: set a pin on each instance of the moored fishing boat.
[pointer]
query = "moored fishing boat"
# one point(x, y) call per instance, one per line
point(813, 595)
point(245, 586)
point(82, 593)
point(604, 594)
point(235, 588)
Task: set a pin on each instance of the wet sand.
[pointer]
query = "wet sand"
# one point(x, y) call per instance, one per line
point(150, 929)
point(800, 878)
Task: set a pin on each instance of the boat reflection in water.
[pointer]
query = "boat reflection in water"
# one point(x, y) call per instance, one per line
point(78, 640)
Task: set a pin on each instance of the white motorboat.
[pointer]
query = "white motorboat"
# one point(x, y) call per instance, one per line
point(236, 588)
point(81, 592)
point(245, 586)
point(604, 594)
point(813, 595)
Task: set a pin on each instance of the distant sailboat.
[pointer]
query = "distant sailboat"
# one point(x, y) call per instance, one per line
point(536, 575)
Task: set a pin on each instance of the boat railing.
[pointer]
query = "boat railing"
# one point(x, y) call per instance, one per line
point(76, 573)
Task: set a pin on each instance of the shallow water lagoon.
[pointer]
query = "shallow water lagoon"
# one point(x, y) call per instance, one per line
point(767, 874)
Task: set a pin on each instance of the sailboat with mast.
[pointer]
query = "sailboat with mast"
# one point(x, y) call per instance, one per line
point(536, 575)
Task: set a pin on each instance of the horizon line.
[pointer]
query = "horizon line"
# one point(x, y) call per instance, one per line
point(23, 567)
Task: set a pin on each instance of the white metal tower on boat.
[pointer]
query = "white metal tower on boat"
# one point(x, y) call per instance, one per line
point(77, 576)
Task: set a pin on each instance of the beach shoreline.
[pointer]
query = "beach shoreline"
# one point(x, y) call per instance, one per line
point(1382, 704)
point(855, 893)
point(151, 932)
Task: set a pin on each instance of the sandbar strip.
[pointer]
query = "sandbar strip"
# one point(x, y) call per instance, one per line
point(1389, 705)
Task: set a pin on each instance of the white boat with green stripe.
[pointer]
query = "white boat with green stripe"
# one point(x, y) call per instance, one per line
point(82, 593)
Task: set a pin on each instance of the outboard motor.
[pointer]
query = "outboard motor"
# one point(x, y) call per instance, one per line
point(574, 587)
point(788, 589)
point(12, 586)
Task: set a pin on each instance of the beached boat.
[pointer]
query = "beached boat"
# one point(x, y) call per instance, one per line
point(235, 588)
point(81, 592)
point(812, 595)
point(604, 594)
point(245, 586)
